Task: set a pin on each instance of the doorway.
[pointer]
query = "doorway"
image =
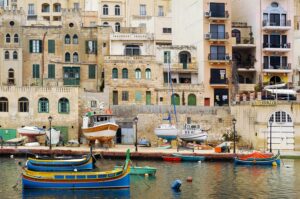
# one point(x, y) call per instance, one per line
point(115, 98)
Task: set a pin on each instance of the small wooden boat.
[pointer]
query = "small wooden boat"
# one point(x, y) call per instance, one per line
point(190, 158)
point(135, 170)
point(271, 161)
point(31, 132)
point(117, 178)
point(171, 158)
point(33, 166)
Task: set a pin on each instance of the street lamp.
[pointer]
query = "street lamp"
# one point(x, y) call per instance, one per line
point(135, 120)
point(234, 122)
point(50, 120)
point(270, 122)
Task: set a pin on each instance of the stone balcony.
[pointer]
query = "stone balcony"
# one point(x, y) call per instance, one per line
point(182, 67)
point(131, 37)
point(126, 59)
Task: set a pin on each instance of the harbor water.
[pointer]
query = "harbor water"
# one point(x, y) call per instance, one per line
point(209, 180)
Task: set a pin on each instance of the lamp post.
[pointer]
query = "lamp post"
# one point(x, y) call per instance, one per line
point(234, 122)
point(50, 120)
point(270, 135)
point(135, 120)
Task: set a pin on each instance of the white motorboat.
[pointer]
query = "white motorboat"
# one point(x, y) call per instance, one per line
point(166, 131)
point(193, 132)
point(54, 136)
point(31, 132)
point(101, 127)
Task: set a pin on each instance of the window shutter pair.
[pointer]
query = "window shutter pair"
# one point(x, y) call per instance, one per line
point(36, 71)
point(92, 71)
point(51, 46)
point(51, 71)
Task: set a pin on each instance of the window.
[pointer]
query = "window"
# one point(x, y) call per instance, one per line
point(23, 105)
point(117, 10)
point(11, 76)
point(3, 104)
point(43, 105)
point(148, 73)
point(75, 39)
point(217, 31)
point(125, 73)
point(71, 76)
point(143, 10)
point(51, 71)
point(67, 39)
point(15, 55)
point(160, 11)
point(167, 57)
point(56, 7)
point(138, 73)
point(167, 30)
point(105, 24)
point(115, 73)
point(125, 95)
point(76, 6)
point(16, 38)
point(93, 103)
point(117, 27)
point(132, 50)
point(31, 9)
point(105, 10)
point(63, 105)
point(138, 96)
point(7, 38)
point(217, 53)
point(6, 55)
point(75, 57)
point(67, 57)
point(35, 46)
point(92, 71)
point(91, 47)
point(35, 71)
point(217, 9)
point(45, 7)
point(51, 46)
point(280, 117)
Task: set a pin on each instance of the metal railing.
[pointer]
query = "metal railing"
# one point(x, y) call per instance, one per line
point(219, 35)
point(218, 81)
point(277, 66)
point(277, 23)
point(276, 45)
point(244, 40)
point(218, 56)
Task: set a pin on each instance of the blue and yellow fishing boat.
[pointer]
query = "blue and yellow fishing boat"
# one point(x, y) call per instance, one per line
point(258, 159)
point(117, 178)
point(60, 161)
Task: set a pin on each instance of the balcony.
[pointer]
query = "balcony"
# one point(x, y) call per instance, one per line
point(276, 47)
point(217, 36)
point(246, 87)
point(129, 59)
point(246, 67)
point(219, 58)
point(131, 37)
point(185, 86)
point(71, 82)
point(216, 15)
point(181, 67)
point(277, 25)
point(277, 68)
point(218, 82)
point(243, 42)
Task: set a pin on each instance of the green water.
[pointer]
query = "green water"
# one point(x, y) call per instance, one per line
point(210, 180)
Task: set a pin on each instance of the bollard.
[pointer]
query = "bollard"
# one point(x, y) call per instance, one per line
point(176, 185)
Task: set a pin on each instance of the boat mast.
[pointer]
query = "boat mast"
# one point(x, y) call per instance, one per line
point(171, 86)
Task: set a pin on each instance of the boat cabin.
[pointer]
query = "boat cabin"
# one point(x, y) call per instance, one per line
point(97, 119)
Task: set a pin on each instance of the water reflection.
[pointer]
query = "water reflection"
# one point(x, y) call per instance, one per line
point(76, 194)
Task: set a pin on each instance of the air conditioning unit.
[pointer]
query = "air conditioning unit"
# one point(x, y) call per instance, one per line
point(207, 14)
point(207, 36)
point(227, 57)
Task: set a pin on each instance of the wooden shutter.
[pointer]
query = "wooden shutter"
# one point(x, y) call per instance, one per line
point(51, 46)
point(92, 71)
point(51, 71)
point(40, 46)
point(87, 47)
point(30, 46)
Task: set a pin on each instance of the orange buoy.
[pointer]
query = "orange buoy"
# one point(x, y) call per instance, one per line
point(189, 179)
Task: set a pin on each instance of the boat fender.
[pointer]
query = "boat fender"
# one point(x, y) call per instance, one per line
point(176, 185)
point(189, 179)
point(199, 162)
point(274, 164)
point(75, 170)
point(11, 156)
point(146, 174)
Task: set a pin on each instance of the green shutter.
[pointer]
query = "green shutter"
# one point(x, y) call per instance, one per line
point(30, 46)
point(95, 46)
point(138, 96)
point(41, 46)
point(51, 46)
point(40, 106)
point(92, 71)
point(51, 71)
point(36, 71)
point(87, 47)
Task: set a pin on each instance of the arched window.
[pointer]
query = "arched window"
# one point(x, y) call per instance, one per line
point(184, 58)
point(115, 73)
point(23, 105)
point(275, 80)
point(175, 99)
point(75, 57)
point(63, 105)
point(280, 117)
point(192, 100)
point(3, 104)
point(16, 38)
point(75, 39)
point(45, 7)
point(6, 55)
point(132, 50)
point(67, 57)
point(105, 10)
point(15, 55)
point(43, 105)
point(148, 73)
point(117, 27)
point(67, 39)
point(117, 10)
point(7, 38)
point(11, 77)
point(56, 7)
point(138, 73)
point(105, 24)
point(125, 73)
point(237, 34)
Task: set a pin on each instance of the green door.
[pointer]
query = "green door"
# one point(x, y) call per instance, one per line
point(175, 99)
point(8, 134)
point(148, 97)
point(63, 132)
point(192, 100)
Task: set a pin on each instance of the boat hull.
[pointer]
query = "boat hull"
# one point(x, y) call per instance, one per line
point(103, 132)
point(198, 137)
point(141, 170)
point(190, 158)
point(257, 162)
point(171, 159)
point(31, 131)
point(167, 133)
point(60, 162)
